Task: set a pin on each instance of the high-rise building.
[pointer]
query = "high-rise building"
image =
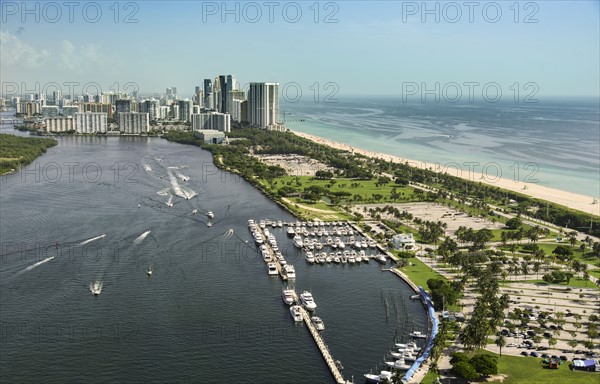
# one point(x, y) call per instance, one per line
point(60, 124)
point(207, 93)
point(134, 122)
point(164, 112)
point(234, 99)
point(70, 110)
point(185, 110)
point(263, 106)
point(211, 120)
point(91, 122)
point(49, 111)
point(97, 107)
point(151, 107)
point(121, 106)
point(171, 93)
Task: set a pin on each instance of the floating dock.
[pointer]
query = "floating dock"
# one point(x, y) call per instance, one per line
point(282, 274)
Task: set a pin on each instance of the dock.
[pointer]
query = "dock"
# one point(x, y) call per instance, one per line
point(335, 372)
point(282, 274)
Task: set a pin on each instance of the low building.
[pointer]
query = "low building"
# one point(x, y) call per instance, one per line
point(403, 241)
point(210, 136)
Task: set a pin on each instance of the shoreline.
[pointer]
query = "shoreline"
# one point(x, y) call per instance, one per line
point(571, 200)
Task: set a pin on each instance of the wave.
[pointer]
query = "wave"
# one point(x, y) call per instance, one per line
point(92, 239)
point(32, 266)
point(141, 238)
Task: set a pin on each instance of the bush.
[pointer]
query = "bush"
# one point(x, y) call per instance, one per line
point(465, 370)
point(484, 365)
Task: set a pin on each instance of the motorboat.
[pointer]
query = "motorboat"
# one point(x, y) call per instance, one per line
point(289, 271)
point(336, 259)
point(290, 231)
point(398, 364)
point(319, 325)
point(210, 214)
point(281, 260)
point(288, 296)
point(298, 241)
point(195, 212)
point(380, 258)
point(257, 238)
point(329, 259)
point(364, 244)
point(321, 259)
point(296, 312)
point(372, 243)
point(272, 269)
point(383, 376)
point(307, 300)
point(280, 224)
point(310, 257)
point(261, 224)
point(418, 335)
point(351, 259)
point(415, 297)
point(96, 287)
point(149, 271)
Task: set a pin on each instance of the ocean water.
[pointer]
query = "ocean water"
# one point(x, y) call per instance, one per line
point(555, 142)
point(208, 314)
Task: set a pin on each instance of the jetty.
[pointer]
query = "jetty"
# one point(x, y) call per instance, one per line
point(282, 274)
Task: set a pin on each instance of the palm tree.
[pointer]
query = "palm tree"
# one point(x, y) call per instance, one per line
point(500, 342)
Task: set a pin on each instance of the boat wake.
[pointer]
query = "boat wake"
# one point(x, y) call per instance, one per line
point(169, 202)
point(96, 287)
point(147, 168)
point(163, 192)
point(141, 238)
point(32, 266)
point(92, 239)
point(182, 176)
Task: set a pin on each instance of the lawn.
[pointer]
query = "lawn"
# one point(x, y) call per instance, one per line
point(530, 370)
point(419, 273)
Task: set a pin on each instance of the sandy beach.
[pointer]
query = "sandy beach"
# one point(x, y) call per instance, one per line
point(568, 199)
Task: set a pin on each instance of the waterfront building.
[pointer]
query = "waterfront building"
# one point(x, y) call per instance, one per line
point(403, 241)
point(210, 136)
point(91, 122)
point(97, 107)
point(151, 107)
point(134, 123)
point(211, 120)
point(70, 110)
point(60, 124)
point(263, 106)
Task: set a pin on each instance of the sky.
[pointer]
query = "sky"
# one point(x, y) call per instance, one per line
point(375, 48)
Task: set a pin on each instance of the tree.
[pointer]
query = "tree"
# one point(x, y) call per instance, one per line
point(465, 370)
point(572, 343)
point(514, 223)
point(485, 365)
point(500, 342)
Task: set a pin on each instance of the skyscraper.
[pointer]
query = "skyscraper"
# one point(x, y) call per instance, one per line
point(263, 105)
point(208, 93)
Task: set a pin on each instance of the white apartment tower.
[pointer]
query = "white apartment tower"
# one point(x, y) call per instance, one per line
point(263, 105)
point(91, 122)
point(134, 122)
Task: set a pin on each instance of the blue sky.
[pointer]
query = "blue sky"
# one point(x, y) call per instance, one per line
point(373, 48)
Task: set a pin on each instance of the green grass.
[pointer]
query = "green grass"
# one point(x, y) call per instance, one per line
point(298, 205)
point(430, 377)
point(419, 273)
point(530, 370)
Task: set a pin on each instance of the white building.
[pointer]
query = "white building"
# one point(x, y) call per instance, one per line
point(263, 105)
point(404, 241)
point(134, 122)
point(91, 122)
point(60, 124)
point(163, 113)
point(211, 120)
point(186, 108)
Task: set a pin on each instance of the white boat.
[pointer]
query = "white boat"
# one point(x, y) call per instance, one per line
point(288, 296)
point(296, 312)
point(272, 269)
point(357, 245)
point(418, 335)
point(257, 238)
point(319, 325)
point(380, 258)
point(372, 244)
point(415, 297)
point(96, 287)
point(321, 259)
point(250, 222)
point(281, 260)
point(195, 212)
point(290, 231)
point(290, 271)
point(149, 271)
point(298, 243)
point(310, 257)
point(336, 259)
point(280, 224)
point(261, 224)
point(383, 376)
point(307, 300)
point(398, 364)
point(364, 244)
point(351, 259)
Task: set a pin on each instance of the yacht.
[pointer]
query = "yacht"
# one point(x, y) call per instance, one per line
point(310, 257)
point(321, 259)
point(308, 301)
point(351, 259)
point(372, 244)
point(281, 260)
point(288, 296)
point(296, 312)
point(380, 258)
point(290, 271)
point(319, 325)
point(96, 287)
point(364, 244)
point(336, 259)
point(384, 376)
point(250, 222)
point(398, 364)
point(210, 214)
point(290, 231)
point(257, 238)
point(149, 271)
point(272, 269)
point(298, 241)
point(280, 224)
point(261, 224)
point(418, 335)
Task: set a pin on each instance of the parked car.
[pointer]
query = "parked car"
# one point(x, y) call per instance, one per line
point(534, 354)
point(540, 348)
point(524, 353)
point(545, 355)
point(511, 345)
point(564, 358)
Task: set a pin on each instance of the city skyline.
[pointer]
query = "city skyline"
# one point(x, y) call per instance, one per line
point(361, 48)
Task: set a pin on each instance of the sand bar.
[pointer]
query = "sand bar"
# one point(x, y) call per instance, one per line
point(568, 199)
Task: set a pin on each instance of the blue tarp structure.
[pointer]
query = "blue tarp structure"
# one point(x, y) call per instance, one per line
point(434, 332)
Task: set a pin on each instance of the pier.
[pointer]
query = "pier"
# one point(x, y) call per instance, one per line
point(282, 274)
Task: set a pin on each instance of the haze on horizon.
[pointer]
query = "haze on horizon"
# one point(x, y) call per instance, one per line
point(365, 48)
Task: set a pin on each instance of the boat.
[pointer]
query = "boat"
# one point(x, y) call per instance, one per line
point(280, 224)
point(307, 300)
point(96, 287)
point(357, 244)
point(319, 325)
point(281, 260)
point(415, 297)
point(380, 258)
point(321, 259)
point(290, 231)
point(398, 364)
point(372, 244)
point(210, 214)
point(296, 312)
point(351, 259)
point(290, 271)
point(195, 212)
point(364, 244)
point(149, 271)
point(418, 335)
point(310, 257)
point(384, 376)
point(288, 296)
point(298, 243)
point(272, 269)
point(336, 259)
